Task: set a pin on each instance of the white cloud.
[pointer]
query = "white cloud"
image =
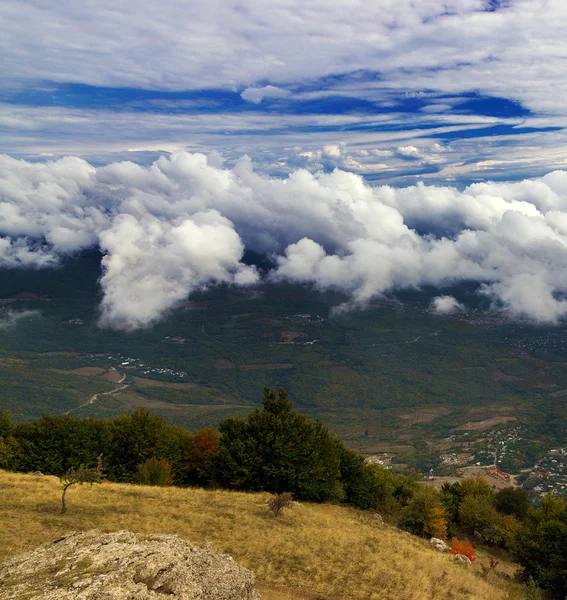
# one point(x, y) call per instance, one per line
point(444, 305)
point(183, 223)
point(256, 95)
point(10, 318)
point(516, 51)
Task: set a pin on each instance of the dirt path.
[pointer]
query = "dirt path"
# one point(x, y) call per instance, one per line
point(95, 397)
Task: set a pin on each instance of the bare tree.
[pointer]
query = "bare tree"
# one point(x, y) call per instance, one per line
point(280, 501)
point(77, 476)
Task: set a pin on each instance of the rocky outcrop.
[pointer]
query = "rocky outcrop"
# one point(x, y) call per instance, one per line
point(124, 566)
point(464, 560)
point(439, 545)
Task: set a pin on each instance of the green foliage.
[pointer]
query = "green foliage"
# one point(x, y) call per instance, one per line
point(9, 450)
point(512, 501)
point(197, 455)
point(55, 444)
point(137, 437)
point(78, 476)
point(424, 514)
point(154, 471)
point(539, 547)
point(359, 484)
point(6, 423)
point(279, 450)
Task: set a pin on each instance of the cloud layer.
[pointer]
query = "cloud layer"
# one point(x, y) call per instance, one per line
point(184, 222)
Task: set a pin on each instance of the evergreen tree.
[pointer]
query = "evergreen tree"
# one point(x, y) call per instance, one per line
point(279, 450)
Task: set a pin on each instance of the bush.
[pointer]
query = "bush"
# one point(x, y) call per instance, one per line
point(462, 547)
point(154, 471)
point(279, 502)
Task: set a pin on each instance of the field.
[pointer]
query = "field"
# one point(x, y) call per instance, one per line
point(310, 552)
point(390, 378)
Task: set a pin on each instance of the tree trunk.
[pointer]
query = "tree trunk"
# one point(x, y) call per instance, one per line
point(63, 503)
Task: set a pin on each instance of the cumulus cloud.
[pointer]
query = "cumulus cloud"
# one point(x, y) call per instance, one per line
point(183, 223)
point(444, 305)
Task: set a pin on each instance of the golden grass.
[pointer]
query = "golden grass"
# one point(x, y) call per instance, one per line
point(309, 552)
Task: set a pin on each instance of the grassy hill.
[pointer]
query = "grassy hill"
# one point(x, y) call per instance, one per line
point(311, 552)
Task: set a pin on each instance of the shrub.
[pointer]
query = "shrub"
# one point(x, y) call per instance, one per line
point(462, 547)
point(280, 501)
point(76, 476)
point(154, 471)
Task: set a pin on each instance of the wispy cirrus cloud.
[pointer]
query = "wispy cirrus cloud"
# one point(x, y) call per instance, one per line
point(372, 76)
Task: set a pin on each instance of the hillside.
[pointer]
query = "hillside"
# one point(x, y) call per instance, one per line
point(310, 552)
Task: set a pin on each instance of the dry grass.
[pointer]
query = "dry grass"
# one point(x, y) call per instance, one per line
point(310, 552)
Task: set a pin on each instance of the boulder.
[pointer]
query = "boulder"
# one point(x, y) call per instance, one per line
point(464, 560)
point(439, 545)
point(124, 566)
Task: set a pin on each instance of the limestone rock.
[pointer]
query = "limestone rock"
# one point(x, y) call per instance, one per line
point(464, 560)
point(439, 545)
point(124, 566)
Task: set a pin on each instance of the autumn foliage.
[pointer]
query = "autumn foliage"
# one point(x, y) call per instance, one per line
point(462, 547)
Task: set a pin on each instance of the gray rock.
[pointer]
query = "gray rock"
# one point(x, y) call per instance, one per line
point(124, 566)
point(439, 545)
point(377, 519)
point(464, 560)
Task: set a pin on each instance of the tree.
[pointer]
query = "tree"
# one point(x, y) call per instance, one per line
point(279, 450)
point(6, 423)
point(279, 502)
point(197, 456)
point(424, 514)
point(539, 547)
point(137, 437)
point(512, 501)
point(76, 477)
point(358, 480)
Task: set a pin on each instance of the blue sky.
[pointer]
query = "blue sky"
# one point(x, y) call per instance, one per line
point(396, 91)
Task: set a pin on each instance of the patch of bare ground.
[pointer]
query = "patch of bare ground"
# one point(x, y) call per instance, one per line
point(82, 371)
point(492, 408)
point(113, 376)
point(291, 336)
point(265, 367)
point(484, 424)
point(129, 400)
point(501, 376)
point(381, 447)
point(494, 482)
point(222, 363)
point(425, 415)
point(143, 382)
point(10, 362)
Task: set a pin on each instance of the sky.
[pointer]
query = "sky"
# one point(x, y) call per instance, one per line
point(366, 146)
point(395, 90)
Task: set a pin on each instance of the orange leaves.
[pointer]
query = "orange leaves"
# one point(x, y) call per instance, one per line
point(462, 547)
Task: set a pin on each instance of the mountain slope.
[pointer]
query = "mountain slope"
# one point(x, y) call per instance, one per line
point(311, 551)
